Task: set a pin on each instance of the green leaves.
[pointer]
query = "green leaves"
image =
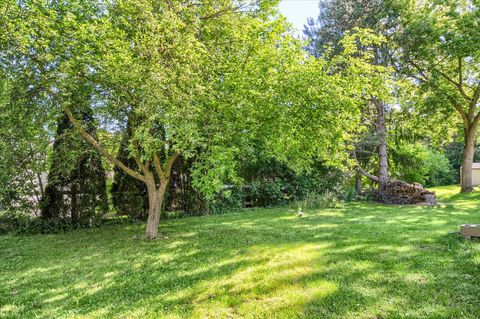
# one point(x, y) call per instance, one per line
point(206, 80)
point(439, 47)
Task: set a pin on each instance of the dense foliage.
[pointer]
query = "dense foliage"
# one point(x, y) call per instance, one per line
point(194, 108)
point(76, 181)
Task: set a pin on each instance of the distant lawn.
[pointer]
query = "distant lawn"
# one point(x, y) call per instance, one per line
point(359, 261)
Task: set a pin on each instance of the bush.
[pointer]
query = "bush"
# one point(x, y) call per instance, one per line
point(228, 201)
point(21, 223)
point(316, 201)
point(417, 163)
point(46, 226)
point(268, 193)
point(349, 194)
point(11, 221)
point(440, 171)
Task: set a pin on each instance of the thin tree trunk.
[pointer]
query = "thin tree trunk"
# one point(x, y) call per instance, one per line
point(382, 145)
point(73, 199)
point(467, 160)
point(358, 183)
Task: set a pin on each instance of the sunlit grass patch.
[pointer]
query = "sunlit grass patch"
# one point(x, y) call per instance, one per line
point(362, 260)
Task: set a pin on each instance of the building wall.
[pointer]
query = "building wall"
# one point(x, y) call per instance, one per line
point(476, 176)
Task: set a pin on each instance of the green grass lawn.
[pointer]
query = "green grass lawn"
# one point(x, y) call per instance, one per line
point(359, 261)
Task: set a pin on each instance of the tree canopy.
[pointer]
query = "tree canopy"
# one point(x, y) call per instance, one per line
point(214, 82)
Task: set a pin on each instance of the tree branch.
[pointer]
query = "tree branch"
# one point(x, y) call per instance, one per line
point(458, 85)
point(99, 148)
point(164, 172)
point(362, 171)
point(367, 174)
point(459, 109)
point(460, 72)
point(473, 105)
point(169, 164)
point(158, 166)
point(476, 96)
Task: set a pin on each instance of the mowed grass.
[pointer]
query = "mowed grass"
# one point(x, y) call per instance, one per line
point(360, 261)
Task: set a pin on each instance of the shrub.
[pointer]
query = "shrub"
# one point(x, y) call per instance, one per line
point(440, 171)
point(228, 201)
point(46, 226)
point(267, 193)
point(21, 223)
point(349, 194)
point(11, 220)
point(417, 163)
point(316, 201)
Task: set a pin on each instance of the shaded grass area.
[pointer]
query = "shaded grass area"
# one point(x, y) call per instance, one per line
point(360, 261)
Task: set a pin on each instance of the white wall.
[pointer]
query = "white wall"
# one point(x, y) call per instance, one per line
point(476, 177)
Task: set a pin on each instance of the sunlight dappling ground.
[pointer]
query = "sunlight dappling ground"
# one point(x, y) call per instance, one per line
point(359, 261)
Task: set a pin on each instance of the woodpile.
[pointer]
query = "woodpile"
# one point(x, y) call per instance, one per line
point(402, 193)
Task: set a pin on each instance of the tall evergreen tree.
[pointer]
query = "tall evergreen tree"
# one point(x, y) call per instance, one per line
point(76, 182)
point(335, 19)
point(338, 16)
point(129, 195)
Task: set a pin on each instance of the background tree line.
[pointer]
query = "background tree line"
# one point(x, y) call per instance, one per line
point(142, 107)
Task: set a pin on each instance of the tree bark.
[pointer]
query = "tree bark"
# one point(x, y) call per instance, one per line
point(156, 196)
point(382, 145)
point(73, 199)
point(467, 160)
point(358, 183)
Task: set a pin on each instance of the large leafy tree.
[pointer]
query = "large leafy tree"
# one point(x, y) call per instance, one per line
point(192, 77)
point(438, 48)
point(207, 79)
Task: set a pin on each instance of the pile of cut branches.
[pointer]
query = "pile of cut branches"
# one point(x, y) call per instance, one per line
point(402, 193)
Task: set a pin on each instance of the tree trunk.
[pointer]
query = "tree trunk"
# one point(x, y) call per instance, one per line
point(467, 160)
point(358, 183)
point(382, 145)
point(156, 195)
point(73, 205)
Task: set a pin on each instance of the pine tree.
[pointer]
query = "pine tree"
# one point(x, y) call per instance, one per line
point(76, 187)
point(129, 195)
point(335, 19)
point(338, 16)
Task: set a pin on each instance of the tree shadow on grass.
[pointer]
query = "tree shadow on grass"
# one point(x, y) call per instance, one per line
point(436, 278)
point(361, 261)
